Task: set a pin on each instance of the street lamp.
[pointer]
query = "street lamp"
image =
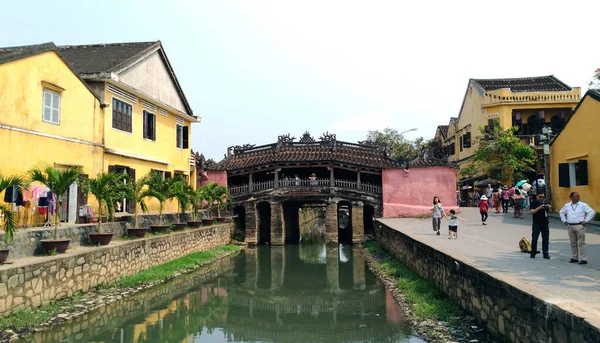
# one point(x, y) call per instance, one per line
point(545, 138)
point(401, 133)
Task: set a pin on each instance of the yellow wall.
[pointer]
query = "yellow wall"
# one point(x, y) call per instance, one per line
point(478, 108)
point(21, 103)
point(577, 142)
point(163, 149)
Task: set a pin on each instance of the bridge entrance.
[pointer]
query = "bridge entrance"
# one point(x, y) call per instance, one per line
point(264, 222)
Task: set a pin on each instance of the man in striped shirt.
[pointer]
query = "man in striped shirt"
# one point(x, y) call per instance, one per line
point(576, 214)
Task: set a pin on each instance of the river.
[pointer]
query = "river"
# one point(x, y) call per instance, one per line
point(294, 293)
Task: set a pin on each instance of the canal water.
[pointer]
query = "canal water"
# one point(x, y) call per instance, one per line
point(295, 293)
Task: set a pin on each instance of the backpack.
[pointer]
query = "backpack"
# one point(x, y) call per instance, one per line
point(524, 245)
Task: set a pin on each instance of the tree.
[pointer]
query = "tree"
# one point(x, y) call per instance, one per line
point(137, 193)
point(106, 188)
point(58, 180)
point(160, 189)
point(10, 224)
point(180, 191)
point(396, 145)
point(595, 81)
point(501, 155)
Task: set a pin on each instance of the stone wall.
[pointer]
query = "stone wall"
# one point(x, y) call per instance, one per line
point(27, 241)
point(54, 277)
point(507, 312)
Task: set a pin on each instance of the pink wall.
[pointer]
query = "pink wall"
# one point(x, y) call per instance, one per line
point(204, 178)
point(410, 194)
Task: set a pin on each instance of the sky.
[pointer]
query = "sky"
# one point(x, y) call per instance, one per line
point(254, 70)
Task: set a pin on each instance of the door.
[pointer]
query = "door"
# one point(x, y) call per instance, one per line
point(82, 198)
point(63, 207)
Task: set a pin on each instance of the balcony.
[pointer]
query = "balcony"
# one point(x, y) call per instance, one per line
point(499, 97)
point(304, 184)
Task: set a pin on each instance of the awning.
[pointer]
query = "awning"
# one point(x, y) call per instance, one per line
point(470, 180)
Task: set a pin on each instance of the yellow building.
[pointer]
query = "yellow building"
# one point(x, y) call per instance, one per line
point(48, 115)
point(575, 155)
point(528, 103)
point(107, 107)
point(147, 126)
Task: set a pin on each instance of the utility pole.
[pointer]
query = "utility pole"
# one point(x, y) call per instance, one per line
point(545, 138)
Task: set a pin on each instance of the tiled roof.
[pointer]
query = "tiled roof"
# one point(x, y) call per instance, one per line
point(525, 84)
point(444, 130)
point(342, 152)
point(104, 58)
point(422, 162)
point(14, 53)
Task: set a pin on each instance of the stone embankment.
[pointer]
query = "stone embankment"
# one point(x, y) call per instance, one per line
point(31, 282)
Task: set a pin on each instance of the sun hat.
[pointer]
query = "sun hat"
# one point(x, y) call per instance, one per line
point(483, 197)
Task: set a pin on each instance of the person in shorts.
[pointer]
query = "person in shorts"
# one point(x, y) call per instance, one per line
point(453, 224)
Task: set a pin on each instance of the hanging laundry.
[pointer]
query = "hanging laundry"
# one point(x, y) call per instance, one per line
point(52, 203)
point(11, 193)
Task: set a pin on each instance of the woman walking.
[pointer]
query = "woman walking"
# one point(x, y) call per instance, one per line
point(437, 212)
point(518, 197)
point(483, 209)
point(496, 201)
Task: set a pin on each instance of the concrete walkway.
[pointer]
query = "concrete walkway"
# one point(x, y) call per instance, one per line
point(494, 249)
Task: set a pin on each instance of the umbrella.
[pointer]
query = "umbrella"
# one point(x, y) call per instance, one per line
point(484, 183)
point(526, 187)
point(520, 183)
point(466, 187)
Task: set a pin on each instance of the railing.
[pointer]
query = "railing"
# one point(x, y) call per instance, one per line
point(304, 183)
point(490, 98)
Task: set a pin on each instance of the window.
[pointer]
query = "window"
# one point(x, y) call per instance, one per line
point(51, 107)
point(467, 140)
point(182, 137)
point(164, 174)
point(149, 125)
point(460, 143)
point(573, 174)
point(451, 149)
point(121, 115)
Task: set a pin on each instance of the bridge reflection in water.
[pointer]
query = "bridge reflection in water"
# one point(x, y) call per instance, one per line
point(296, 293)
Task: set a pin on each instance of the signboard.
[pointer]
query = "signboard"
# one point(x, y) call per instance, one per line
point(494, 116)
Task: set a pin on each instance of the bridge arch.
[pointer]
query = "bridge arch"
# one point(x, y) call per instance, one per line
point(263, 219)
point(239, 213)
point(368, 223)
point(344, 222)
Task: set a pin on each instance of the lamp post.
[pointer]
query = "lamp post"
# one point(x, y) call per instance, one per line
point(401, 133)
point(545, 138)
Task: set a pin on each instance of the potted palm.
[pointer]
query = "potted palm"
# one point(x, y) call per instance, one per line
point(219, 195)
point(160, 189)
point(10, 224)
point(58, 181)
point(196, 198)
point(105, 187)
point(206, 194)
point(179, 192)
point(137, 193)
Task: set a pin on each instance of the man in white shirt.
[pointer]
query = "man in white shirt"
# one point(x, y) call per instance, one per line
point(576, 215)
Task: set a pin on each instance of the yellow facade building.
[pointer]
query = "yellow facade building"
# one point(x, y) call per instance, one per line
point(527, 103)
point(575, 155)
point(107, 107)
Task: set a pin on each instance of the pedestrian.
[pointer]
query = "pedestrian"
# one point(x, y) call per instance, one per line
point(539, 210)
point(518, 197)
point(496, 201)
point(297, 179)
point(437, 212)
point(483, 209)
point(476, 197)
point(453, 224)
point(505, 197)
point(575, 215)
point(488, 194)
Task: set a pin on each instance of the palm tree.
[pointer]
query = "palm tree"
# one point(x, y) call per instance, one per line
point(58, 180)
point(160, 189)
point(179, 191)
point(105, 187)
point(10, 224)
point(216, 193)
point(137, 193)
point(196, 196)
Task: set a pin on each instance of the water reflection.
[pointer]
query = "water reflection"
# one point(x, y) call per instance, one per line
point(267, 294)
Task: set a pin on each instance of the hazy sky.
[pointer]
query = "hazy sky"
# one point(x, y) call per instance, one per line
point(256, 69)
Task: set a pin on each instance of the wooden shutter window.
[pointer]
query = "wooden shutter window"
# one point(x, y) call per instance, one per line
point(167, 175)
point(153, 127)
point(145, 128)
point(583, 172)
point(186, 138)
point(564, 179)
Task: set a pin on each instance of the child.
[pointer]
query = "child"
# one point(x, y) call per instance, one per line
point(453, 224)
point(483, 209)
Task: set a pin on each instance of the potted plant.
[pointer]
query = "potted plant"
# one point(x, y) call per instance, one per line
point(196, 197)
point(10, 224)
point(105, 187)
point(180, 193)
point(206, 194)
point(219, 195)
point(160, 189)
point(58, 181)
point(137, 193)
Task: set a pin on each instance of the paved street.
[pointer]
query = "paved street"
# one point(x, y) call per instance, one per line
point(494, 249)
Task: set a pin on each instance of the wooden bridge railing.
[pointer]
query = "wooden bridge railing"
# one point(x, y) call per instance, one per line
point(304, 183)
